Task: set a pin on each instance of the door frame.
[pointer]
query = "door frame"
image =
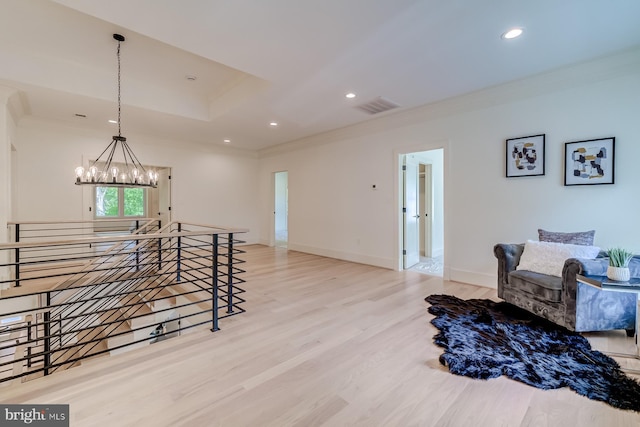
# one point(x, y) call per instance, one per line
point(398, 191)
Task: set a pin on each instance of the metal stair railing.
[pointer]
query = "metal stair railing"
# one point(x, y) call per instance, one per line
point(85, 312)
point(118, 272)
point(184, 271)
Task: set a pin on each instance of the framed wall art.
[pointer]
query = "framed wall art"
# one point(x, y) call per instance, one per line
point(589, 162)
point(525, 156)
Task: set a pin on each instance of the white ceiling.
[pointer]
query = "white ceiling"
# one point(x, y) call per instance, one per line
point(289, 61)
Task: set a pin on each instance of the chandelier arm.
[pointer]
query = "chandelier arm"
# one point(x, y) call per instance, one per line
point(114, 144)
point(105, 150)
point(133, 157)
point(107, 165)
point(124, 154)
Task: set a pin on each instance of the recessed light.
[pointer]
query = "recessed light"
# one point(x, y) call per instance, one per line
point(350, 95)
point(227, 141)
point(115, 122)
point(512, 33)
point(274, 124)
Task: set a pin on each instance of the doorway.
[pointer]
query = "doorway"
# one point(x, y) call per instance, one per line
point(281, 209)
point(164, 196)
point(422, 219)
point(159, 202)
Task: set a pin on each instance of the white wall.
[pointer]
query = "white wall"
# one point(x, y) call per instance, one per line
point(209, 186)
point(7, 132)
point(333, 211)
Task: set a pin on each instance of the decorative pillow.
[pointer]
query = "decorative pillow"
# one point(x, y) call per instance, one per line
point(549, 257)
point(579, 238)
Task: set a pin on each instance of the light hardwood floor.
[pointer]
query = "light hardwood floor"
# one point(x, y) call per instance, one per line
point(323, 343)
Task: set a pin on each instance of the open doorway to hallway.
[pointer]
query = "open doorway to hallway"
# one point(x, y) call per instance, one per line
point(423, 211)
point(281, 209)
point(160, 198)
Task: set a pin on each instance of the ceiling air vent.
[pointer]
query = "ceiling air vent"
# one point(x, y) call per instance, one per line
point(378, 105)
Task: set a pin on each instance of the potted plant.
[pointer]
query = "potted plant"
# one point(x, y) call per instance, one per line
point(619, 264)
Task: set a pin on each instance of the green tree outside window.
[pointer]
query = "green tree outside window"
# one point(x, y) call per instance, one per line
point(133, 202)
point(114, 202)
point(106, 201)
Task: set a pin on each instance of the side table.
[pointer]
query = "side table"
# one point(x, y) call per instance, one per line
point(607, 285)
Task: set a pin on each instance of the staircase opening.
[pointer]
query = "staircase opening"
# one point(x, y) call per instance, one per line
point(68, 301)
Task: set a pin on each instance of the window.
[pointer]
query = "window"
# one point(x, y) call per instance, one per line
point(120, 202)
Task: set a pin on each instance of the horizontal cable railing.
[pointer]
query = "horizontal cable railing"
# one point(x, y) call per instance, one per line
point(31, 261)
point(43, 231)
point(145, 287)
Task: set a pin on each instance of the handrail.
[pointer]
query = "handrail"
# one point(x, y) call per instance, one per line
point(81, 221)
point(107, 239)
point(53, 230)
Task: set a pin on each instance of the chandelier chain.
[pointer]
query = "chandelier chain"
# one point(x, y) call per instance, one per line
point(119, 108)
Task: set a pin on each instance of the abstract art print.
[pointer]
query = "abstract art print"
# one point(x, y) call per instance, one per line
point(525, 156)
point(589, 162)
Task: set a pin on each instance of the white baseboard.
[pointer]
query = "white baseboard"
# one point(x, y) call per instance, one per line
point(251, 242)
point(346, 256)
point(462, 276)
point(472, 278)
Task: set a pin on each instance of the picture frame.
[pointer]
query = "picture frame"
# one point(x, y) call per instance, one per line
point(525, 156)
point(589, 162)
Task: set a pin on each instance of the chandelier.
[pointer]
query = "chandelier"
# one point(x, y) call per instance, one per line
point(109, 171)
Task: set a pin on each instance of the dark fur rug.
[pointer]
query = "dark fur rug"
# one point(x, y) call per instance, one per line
point(485, 339)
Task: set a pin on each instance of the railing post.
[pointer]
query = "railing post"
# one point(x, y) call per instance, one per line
point(214, 284)
point(60, 332)
point(179, 263)
point(29, 336)
point(17, 256)
point(137, 247)
point(230, 274)
point(47, 336)
point(160, 253)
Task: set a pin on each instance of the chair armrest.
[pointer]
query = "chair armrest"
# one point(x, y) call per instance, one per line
point(634, 266)
point(591, 267)
point(595, 267)
point(508, 255)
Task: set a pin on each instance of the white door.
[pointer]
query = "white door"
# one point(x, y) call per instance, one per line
point(411, 213)
point(281, 209)
point(164, 196)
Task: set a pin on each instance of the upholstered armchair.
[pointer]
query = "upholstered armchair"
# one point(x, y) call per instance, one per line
point(563, 300)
